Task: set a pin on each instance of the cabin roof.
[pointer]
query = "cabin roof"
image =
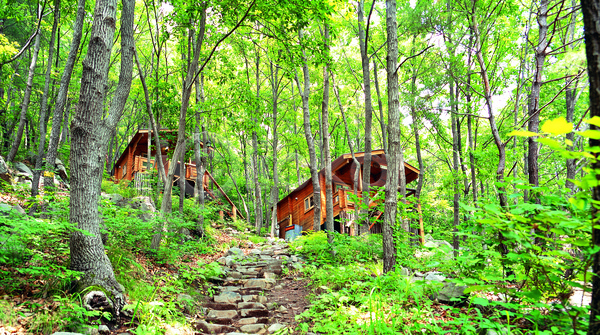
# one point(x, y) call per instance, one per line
point(343, 164)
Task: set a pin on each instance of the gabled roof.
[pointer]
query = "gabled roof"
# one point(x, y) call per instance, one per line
point(343, 168)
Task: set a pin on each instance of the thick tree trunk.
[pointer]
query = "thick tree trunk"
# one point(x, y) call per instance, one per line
point(90, 134)
point(314, 172)
point(366, 171)
point(26, 96)
point(37, 172)
point(61, 99)
point(591, 17)
point(326, 151)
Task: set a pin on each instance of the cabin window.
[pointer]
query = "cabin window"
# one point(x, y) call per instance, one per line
point(124, 170)
point(309, 202)
point(336, 199)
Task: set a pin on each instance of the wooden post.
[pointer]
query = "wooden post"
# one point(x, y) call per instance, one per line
point(234, 211)
point(222, 215)
point(421, 229)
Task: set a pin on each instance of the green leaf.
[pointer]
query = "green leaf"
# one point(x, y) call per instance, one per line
point(554, 144)
point(593, 134)
point(478, 288)
point(557, 126)
point(522, 133)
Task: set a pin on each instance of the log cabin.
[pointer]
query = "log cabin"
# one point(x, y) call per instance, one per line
point(295, 212)
point(134, 162)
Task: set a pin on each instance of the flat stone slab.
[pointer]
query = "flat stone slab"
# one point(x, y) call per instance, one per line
point(275, 327)
point(228, 297)
point(250, 305)
point(212, 328)
point(248, 321)
point(220, 306)
point(219, 315)
point(264, 284)
point(255, 328)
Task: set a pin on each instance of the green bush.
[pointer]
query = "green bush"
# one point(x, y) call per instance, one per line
point(347, 249)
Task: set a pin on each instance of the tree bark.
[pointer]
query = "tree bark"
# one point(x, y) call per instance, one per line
point(274, 99)
point(380, 104)
point(26, 95)
point(571, 101)
point(314, 172)
point(591, 17)
point(366, 171)
point(534, 98)
point(326, 151)
point(44, 110)
point(90, 134)
point(258, 214)
point(61, 99)
point(394, 154)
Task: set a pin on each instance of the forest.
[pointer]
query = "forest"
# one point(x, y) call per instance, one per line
point(493, 106)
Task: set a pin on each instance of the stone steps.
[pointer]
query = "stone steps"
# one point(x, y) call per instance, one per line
point(241, 306)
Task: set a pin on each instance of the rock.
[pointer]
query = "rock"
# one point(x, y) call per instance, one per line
point(5, 172)
point(262, 299)
point(66, 333)
point(19, 209)
point(229, 260)
point(251, 305)
point(255, 328)
point(450, 293)
point(212, 328)
point(221, 260)
point(228, 297)
point(6, 209)
point(92, 331)
point(275, 327)
point(264, 284)
point(115, 198)
point(255, 251)
point(23, 169)
point(103, 330)
point(282, 309)
point(186, 302)
point(435, 276)
point(220, 315)
point(235, 252)
point(278, 287)
point(61, 170)
point(254, 313)
point(404, 271)
point(293, 258)
point(248, 321)
point(269, 275)
point(146, 206)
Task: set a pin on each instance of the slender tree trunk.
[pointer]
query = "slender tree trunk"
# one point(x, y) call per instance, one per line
point(314, 172)
point(571, 101)
point(90, 134)
point(534, 97)
point(275, 190)
point(26, 96)
point(61, 99)
point(394, 153)
point(200, 154)
point(326, 151)
point(356, 164)
point(380, 104)
point(37, 172)
point(591, 17)
point(258, 214)
point(366, 186)
point(180, 146)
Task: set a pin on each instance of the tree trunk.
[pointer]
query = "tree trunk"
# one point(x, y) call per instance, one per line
point(90, 134)
point(326, 152)
point(394, 149)
point(44, 110)
point(366, 171)
point(275, 190)
point(591, 17)
point(571, 101)
point(380, 104)
point(534, 98)
point(200, 154)
point(61, 99)
point(258, 214)
point(26, 96)
point(314, 172)
point(180, 146)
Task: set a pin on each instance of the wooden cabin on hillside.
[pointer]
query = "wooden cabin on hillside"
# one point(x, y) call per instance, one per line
point(295, 212)
point(134, 162)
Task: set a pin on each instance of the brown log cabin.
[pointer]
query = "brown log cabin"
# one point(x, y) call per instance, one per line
point(295, 212)
point(134, 160)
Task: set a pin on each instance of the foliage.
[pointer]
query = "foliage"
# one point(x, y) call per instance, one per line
point(347, 249)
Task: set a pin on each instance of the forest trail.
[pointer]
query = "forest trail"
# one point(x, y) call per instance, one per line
point(251, 299)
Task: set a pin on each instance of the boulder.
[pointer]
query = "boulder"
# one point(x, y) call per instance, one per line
point(435, 276)
point(451, 293)
point(61, 170)
point(235, 252)
point(5, 172)
point(24, 169)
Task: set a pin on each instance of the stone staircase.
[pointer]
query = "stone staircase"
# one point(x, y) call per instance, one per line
point(240, 305)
